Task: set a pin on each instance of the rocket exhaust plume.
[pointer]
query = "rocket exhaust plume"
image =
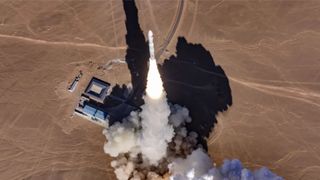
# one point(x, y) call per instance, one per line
point(154, 83)
point(156, 132)
point(149, 132)
point(155, 144)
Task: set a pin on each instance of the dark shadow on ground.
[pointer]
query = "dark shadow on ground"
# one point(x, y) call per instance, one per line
point(191, 78)
point(137, 53)
point(118, 104)
point(137, 57)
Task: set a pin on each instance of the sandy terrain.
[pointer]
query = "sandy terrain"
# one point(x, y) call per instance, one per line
point(269, 51)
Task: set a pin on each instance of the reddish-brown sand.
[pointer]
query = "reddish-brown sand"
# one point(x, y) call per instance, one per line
point(269, 50)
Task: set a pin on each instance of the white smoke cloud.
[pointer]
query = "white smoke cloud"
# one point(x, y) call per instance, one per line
point(127, 140)
point(184, 157)
point(193, 167)
point(147, 132)
point(155, 144)
point(122, 137)
point(123, 168)
point(198, 166)
point(156, 132)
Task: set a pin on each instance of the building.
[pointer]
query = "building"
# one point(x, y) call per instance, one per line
point(97, 89)
point(98, 106)
point(93, 113)
point(75, 82)
point(91, 102)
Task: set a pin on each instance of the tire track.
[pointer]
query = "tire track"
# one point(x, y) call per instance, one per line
point(172, 30)
point(194, 17)
point(64, 43)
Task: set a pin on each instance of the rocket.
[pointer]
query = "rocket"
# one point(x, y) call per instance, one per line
point(151, 46)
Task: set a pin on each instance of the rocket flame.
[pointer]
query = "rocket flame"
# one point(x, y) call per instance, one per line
point(156, 130)
point(154, 83)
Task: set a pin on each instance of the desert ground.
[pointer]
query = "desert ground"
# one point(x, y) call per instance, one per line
point(269, 51)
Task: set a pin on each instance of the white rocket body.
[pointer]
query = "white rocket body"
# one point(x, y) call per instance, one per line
point(151, 46)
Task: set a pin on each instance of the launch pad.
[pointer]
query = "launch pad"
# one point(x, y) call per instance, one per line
point(98, 105)
point(88, 106)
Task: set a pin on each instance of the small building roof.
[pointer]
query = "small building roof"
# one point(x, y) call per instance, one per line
point(89, 110)
point(94, 112)
point(97, 89)
point(100, 115)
